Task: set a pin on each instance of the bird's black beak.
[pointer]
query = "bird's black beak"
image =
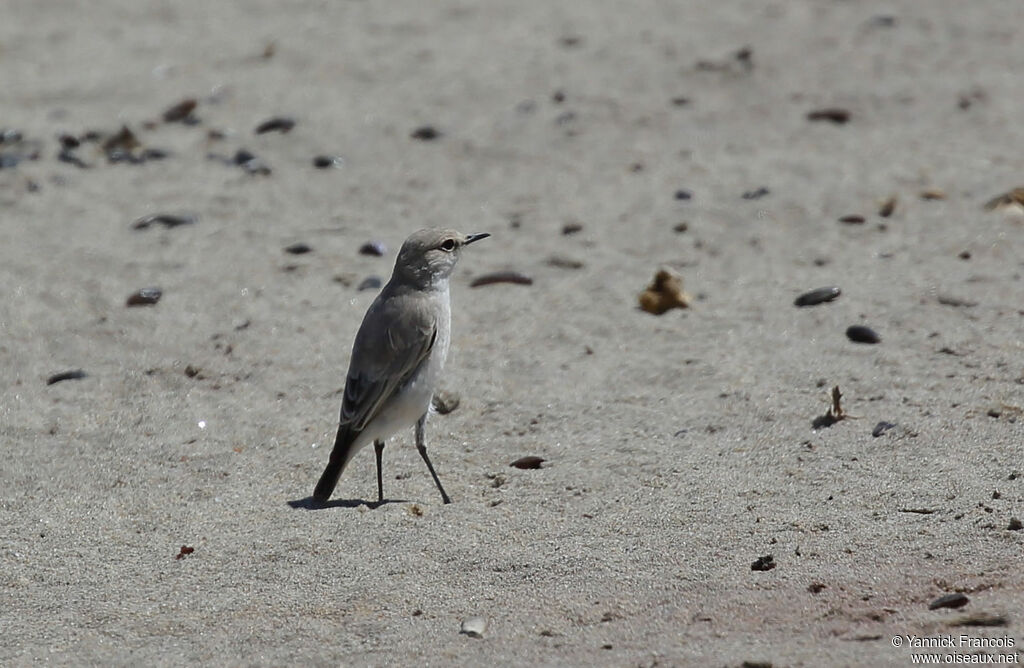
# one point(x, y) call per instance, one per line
point(475, 237)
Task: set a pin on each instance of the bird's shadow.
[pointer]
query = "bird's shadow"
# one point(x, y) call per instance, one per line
point(309, 503)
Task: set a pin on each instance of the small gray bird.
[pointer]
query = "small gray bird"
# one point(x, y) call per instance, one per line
point(398, 355)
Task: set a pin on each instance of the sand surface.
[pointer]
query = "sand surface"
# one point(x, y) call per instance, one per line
point(679, 448)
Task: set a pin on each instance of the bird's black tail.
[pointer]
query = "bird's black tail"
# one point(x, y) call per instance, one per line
point(339, 458)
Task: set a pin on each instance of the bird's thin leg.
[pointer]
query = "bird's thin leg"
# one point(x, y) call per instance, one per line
point(422, 447)
point(378, 449)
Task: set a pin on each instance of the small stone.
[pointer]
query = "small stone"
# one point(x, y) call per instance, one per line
point(881, 428)
point(852, 219)
point(681, 227)
point(374, 248)
point(956, 600)
point(299, 248)
point(932, 194)
point(474, 627)
point(77, 374)
point(501, 277)
point(180, 111)
point(1014, 525)
point(563, 262)
point(756, 194)
point(664, 293)
point(571, 228)
point(370, 283)
point(426, 133)
point(887, 207)
point(765, 563)
point(191, 371)
point(282, 124)
point(683, 194)
point(830, 114)
point(528, 462)
point(325, 161)
point(144, 297)
point(817, 296)
point(816, 587)
point(444, 402)
point(862, 334)
point(168, 220)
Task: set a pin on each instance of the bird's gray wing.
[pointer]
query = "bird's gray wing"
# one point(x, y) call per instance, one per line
point(392, 342)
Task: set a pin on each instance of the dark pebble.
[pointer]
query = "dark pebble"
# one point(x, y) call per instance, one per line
point(501, 277)
point(756, 194)
point(881, 428)
point(68, 141)
point(818, 296)
point(831, 114)
point(426, 133)
point(298, 249)
point(852, 219)
point(154, 154)
point(528, 462)
point(10, 136)
point(180, 111)
point(68, 156)
point(124, 141)
point(370, 283)
point(1014, 525)
point(375, 248)
point(862, 334)
point(280, 124)
point(681, 227)
point(191, 371)
point(683, 194)
point(77, 374)
point(168, 220)
point(325, 161)
point(765, 563)
point(888, 206)
point(243, 156)
point(571, 228)
point(144, 297)
point(562, 262)
point(680, 101)
point(956, 600)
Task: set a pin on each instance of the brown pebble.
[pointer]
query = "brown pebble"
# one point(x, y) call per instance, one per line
point(664, 293)
point(831, 114)
point(956, 600)
point(816, 587)
point(1013, 198)
point(817, 296)
point(887, 207)
point(862, 334)
point(501, 277)
point(528, 462)
point(185, 551)
point(681, 227)
point(852, 219)
point(932, 194)
point(77, 374)
point(144, 297)
point(282, 124)
point(180, 111)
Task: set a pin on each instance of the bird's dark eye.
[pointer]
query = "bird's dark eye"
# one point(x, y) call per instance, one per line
point(448, 245)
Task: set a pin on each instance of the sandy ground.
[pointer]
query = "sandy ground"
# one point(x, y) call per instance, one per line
point(679, 448)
